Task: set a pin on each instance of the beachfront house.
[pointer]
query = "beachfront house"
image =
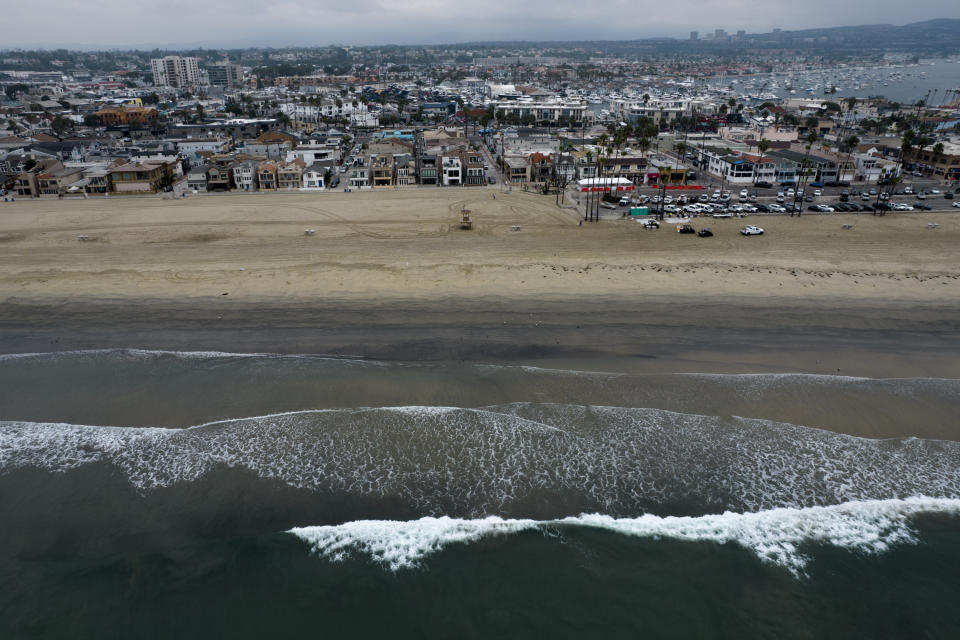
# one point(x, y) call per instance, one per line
point(406, 170)
point(267, 176)
point(245, 175)
point(314, 177)
point(97, 181)
point(197, 178)
point(290, 175)
point(220, 177)
point(147, 177)
point(381, 170)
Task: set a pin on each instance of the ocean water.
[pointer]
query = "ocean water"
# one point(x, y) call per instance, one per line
point(161, 494)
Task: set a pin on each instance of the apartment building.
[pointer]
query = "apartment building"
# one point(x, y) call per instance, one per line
point(175, 71)
point(225, 74)
point(127, 116)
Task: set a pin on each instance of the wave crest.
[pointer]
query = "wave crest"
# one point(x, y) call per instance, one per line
point(776, 536)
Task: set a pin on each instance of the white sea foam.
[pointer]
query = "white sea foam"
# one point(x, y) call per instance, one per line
point(472, 462)
point(399, 544)
point(146, 354)
point(776, 536)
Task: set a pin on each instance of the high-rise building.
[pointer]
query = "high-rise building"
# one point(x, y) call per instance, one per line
point(719, 34)
point(174, 71)
point(225, 74)
point(741, 34)
point(694, 35)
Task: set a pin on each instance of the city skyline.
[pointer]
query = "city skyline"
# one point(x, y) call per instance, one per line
point(426, 22)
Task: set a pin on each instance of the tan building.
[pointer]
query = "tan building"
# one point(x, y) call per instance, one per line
point(381, 170)
point(127, 116)
point(27, 184)
point(134, 177)
point(945, 164)
point(267, 175)
point(290, 175)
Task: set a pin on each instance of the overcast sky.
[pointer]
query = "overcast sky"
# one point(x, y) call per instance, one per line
point(213, 23)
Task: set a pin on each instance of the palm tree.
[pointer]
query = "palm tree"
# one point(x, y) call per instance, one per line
point(586, 210)
point(922, 143)
point(644, 144)
point(763, 146)
point(851, 143)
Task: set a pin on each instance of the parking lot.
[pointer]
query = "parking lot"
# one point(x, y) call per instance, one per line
point(774, 200)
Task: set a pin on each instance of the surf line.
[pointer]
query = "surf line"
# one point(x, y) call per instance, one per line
point(775, 536)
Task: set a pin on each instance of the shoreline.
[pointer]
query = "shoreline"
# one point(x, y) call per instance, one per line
point(654, 335)
point(390, 275)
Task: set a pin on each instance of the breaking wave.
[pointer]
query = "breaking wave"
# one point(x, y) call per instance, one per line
point(521, 459)
point(777, 536)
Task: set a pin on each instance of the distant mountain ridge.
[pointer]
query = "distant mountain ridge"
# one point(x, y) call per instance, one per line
point(938, 35)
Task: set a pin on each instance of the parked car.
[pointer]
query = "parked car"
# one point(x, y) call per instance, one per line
point(763, 185)
point(744, 194)
point(865, 197)
point(608, 205)
point(751, 230)
point(921, 196)
point(651, 225)
point(948, 195)
point(817, 192)
point(922, 207)
point(685, 228)
point(957, 204)
point(624, 202)
point(705, 232)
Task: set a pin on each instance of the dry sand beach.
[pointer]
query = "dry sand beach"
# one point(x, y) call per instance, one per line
point(408, 245)
point(390, 274)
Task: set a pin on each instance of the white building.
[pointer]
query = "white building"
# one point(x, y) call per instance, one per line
point(451, 171)
point(245, 175)
point(174, 71)
point(313, 178)
point(311, 153)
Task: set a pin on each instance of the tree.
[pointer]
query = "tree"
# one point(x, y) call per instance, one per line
point(60, 124)
point(92, 120)
point(763, 146)
point(153, 98)
point(13, 89)
point(922, 142)
point(851, 143)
